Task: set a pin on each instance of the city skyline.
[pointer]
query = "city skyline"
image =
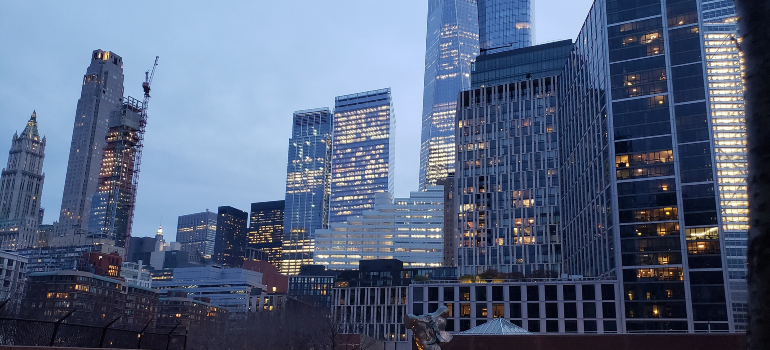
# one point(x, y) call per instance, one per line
point(173, 168)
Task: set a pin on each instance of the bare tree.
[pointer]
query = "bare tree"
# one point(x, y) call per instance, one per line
point(754, 23)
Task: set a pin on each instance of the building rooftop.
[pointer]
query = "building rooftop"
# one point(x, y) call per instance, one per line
point(497, 326)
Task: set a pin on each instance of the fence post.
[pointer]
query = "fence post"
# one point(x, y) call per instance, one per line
point(4, 302)
point(104, 331)
point(141, 334)
point(56, 327)
point(168, 338)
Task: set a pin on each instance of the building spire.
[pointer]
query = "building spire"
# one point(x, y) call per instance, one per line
point(30, 131)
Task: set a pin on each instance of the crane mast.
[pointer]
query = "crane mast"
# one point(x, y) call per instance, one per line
point(148, 75)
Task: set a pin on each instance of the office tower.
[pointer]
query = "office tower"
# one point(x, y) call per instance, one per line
point(408, 229)
point(507, 179)
point(112, 205)
point(21, 185)
point(451, 44)
point(363, 152)
point(230, 247)
point(308, 184)
point(197, 233)
point(504, 25)
point(100, 96)
point(725, 93)
point(639, 136)
point(451, 236)
point(266, 230)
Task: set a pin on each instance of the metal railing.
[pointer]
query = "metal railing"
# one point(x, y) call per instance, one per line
point(25, 332)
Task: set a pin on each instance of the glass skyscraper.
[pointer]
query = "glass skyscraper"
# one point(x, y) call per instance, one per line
point(507, 179)
point(308, 181)
point(451, 44)
point(363, 152)
point(197, 233)
point(724, 72)
point(652, 151)
point(505, 25)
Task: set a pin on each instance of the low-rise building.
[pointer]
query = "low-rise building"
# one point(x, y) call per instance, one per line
point(229, 288)
point(136, 273)
point(65, 257)
point(189, 312)
point(539, 306)
point(373, 300)
point(13, 277)
point(96, 299)
point(313, 285)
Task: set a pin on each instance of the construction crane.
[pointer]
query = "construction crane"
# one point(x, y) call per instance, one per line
point(148, 75)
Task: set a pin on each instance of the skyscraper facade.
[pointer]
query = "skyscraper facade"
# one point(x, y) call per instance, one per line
point(112, 205)
point(724, 72)
point(21, 186)
point(266, 230)
point(505, 25)
point(100, 95)
point(451, 44)
point(653, 162)
point(197, 233)
point(407, 229)
point(308, 185)
point(507, 178)
point(231, 238)
point(363, 152)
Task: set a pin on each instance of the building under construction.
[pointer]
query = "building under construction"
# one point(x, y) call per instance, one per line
point(113, 202)
point(112, 206)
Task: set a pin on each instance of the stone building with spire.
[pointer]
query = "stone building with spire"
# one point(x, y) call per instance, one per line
point(21, 186)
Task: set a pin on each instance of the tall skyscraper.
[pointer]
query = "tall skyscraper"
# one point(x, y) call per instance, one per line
point(363, 152)
point(266, 230)
point(100, 95)
point(230, 247)
point(308, 185)
point(21, 187)
point(652, 152)
point(451, 45)
point(112, 205)
point(505, 25)
point(407, 229)
point(507, 178)
point(197, 233)
point(725, 93)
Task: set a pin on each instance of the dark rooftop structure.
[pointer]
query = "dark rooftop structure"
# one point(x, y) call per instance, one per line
point(515, 65)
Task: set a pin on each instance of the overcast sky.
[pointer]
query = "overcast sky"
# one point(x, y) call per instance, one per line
point(230, 76)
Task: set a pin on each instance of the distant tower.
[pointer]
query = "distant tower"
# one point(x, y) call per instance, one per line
point(100, 95)
point(21, 186)
point(505, 25)
point(363, 152)
point(197, 233)
point(451, 44)
point(308, 181)
point(113, 203)
point(232, 235)
point(266, 231)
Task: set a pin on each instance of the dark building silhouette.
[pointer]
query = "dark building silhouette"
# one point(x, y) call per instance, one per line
point(266, 231)
point(230, 247)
